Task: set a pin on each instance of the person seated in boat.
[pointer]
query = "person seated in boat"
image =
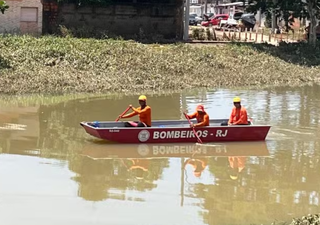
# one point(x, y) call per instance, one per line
point(201, 116)
point(238, 115)
point(144, 112)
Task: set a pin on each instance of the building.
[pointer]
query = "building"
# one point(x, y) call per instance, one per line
point(22, 17)
point(126, 18)
point(214, 6)
point(200, 9)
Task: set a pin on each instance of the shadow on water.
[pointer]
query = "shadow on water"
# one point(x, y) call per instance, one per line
point(297, 53)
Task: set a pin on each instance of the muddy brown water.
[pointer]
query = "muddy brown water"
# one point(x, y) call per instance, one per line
point(52, 172)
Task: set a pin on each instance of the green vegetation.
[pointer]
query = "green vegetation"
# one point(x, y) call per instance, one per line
point(3, 6)
point(309, 219)
point(68, 65)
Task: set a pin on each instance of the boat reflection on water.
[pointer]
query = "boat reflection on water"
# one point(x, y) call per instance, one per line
point(136, 158)
point(98, 150)
point(140, 166)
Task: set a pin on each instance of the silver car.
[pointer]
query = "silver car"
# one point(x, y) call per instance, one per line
point(197, 18)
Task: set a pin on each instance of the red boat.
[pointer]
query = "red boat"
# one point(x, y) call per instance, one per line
point(174, 131)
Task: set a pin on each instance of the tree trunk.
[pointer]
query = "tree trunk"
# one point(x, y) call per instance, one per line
point(312, 10)
point(273, 18)
point(259, 17)
point(286, 20)
point(186, 20)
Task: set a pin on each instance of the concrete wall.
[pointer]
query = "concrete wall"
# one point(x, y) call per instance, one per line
point(11, 21)
point(126, 20)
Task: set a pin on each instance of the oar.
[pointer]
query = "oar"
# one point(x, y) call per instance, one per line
point(124, 112)
point(194, 131)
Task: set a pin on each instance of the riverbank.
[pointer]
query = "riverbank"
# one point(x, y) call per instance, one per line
point(69, 65)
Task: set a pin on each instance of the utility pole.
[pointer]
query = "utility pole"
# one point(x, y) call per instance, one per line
point(186, 20)
point(205, 7)
point(217, 3)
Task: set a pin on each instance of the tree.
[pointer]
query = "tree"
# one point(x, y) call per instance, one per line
point(3, 6)
point(286, 9)
point(265, 6)
point(312, 7)
point(290, 9)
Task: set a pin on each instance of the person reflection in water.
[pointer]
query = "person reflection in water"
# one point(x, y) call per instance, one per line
point(198, 164)
point(139, 167)
point(237, 164)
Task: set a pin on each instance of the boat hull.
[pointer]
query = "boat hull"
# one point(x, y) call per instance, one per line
point(175, 134)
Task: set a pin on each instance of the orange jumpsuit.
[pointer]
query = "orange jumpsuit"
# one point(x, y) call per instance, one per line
point(144, 115)
point(238, 116)
point(203, 120)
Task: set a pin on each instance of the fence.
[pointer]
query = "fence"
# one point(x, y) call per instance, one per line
point(257, 36)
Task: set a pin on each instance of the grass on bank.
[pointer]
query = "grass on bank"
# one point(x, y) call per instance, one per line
point(70, 65)
point(310, 219)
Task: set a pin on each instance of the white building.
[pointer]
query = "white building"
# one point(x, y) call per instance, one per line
point(200, 9)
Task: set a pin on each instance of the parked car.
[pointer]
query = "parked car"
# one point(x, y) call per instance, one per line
point(215, 20)
point(237, 15)
point(192, 20)
point(248, 21)
point(232, 21)
point(198, 18)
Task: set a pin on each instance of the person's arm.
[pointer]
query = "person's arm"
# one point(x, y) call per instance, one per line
point(192, 116)
point(129, 115)
point(139, 111)
point(203, 123)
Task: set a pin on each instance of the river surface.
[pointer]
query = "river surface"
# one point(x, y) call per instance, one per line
point(53, 173)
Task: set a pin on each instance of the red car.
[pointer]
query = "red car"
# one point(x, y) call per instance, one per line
point(214, 21)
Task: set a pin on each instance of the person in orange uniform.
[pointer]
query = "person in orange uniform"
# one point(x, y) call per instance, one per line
point(239, 114)
point(201, 116)
point(144, 112)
